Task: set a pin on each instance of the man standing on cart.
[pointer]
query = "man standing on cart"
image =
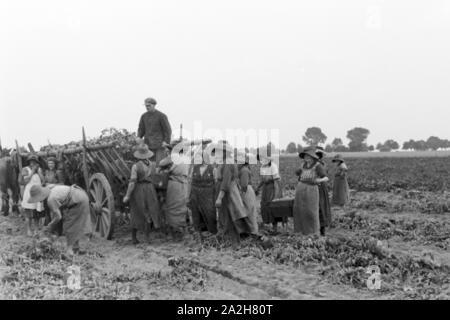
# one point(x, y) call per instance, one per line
point(155, 128)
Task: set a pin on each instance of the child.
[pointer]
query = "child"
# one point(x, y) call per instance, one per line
point(32, 175)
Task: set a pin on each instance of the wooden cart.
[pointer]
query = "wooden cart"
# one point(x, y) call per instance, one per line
point(101, 172)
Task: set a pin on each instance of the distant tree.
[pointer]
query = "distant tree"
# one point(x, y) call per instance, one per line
point(371, 148)
point(291, 148)
point(408, 145)
point(358, 137)
point(382, 148)
point(337, 142)
point(392, 144)
point(434, 143)
point(329, 148)
point(342, 149)
point(314, 136)
point(338, 146)
point(388, 145)
point(446, 144)
point(299, 148)
point(420, 145)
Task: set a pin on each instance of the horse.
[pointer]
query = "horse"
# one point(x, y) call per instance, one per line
point(9, 173)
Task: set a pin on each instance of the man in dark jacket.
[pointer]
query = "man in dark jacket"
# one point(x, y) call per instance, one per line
point(155, 128)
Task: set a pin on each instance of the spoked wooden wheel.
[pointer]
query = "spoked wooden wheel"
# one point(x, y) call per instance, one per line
point(101, 200)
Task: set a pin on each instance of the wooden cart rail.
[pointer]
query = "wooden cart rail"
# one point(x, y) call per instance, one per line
point(69, 151)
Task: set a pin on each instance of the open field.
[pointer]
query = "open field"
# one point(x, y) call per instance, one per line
point(393, 154)
point(398, 219)
point(380, 174)
point(391, 230)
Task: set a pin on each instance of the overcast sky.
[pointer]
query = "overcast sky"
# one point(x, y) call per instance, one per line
point(287, 65)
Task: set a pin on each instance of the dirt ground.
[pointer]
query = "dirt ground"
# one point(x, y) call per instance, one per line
point(410, 247)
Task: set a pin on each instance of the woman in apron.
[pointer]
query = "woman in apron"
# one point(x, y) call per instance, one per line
point(324, 198)
point(271, 189)
point(201, 198)
point(340, 184)
point(233, 216)
point(175, 208)
point(141, 193)
point(69, 204)
point(247, 193)
point(306, 202)
point(32, 175)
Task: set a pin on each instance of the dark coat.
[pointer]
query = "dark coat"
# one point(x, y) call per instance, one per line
point(155, 128)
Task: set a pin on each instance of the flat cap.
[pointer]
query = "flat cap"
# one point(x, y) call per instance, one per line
point(150, 101)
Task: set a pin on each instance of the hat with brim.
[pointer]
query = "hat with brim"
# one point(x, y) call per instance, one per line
point(338, 158)
point(320, 152)
point(143, 152)
point(52, 159)
point(166, 162)
point(220, 147)
point(309, 152)
point(38, 193)
point(32, 157)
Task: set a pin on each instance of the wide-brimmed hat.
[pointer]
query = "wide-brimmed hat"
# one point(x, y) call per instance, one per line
point(320, 152)
point(38, 193)
point(33, 157)
point(221, 146)
point(52, 159)
point(142, 152)
point(166, 162)
point(310, 152)
point(338, 158)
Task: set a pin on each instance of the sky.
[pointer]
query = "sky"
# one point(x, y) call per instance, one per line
point(238, 64)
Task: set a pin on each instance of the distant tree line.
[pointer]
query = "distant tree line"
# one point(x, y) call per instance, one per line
point(357, 142)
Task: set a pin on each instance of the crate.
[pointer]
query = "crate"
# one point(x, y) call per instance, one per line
point(281, 208)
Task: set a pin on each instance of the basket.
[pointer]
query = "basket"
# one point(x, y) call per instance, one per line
point(281, 208)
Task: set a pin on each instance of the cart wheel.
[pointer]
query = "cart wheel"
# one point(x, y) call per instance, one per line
point(102, 206)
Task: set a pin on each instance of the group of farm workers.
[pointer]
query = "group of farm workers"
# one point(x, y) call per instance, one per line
point(217, 190)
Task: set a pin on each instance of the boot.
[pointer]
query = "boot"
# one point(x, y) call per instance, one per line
point(29, 227)
point(134, 236)
point(322, 231)
point(275, 227)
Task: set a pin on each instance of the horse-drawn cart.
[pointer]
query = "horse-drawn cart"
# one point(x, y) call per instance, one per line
point(103, 174)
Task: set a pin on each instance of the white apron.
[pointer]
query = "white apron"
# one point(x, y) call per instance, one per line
point(35, 179)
